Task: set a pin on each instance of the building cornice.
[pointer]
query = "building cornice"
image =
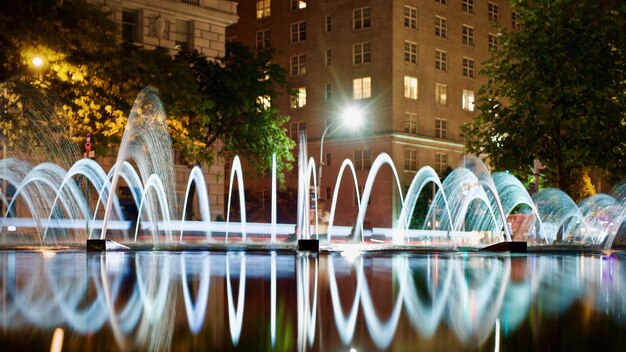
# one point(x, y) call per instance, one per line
point(218, 12)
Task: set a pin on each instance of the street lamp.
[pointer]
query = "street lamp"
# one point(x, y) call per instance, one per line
point(351, 117)
point(37, 61)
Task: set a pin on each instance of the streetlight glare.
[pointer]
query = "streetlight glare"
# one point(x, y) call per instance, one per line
point(352, 117)
point(37, 61)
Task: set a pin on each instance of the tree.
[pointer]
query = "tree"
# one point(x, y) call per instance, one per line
point(91, 80)
point(556, 92)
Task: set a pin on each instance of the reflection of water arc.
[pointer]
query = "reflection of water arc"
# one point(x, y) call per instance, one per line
point(235, 315)
point(346, 164)
point(345, 326)
point(196, 176)
point(423, 319)
point(196, 312)
point(153, 304)
point(307, 312)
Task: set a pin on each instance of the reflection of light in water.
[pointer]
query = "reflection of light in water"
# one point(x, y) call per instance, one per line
point(57, 340)
point(307, 311)
point(345, 326)
point(235, 315)
point(195, 313)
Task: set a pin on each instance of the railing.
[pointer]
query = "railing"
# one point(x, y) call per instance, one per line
point(191, 2)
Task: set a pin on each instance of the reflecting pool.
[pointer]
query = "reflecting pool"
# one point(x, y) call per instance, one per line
point(200, 300)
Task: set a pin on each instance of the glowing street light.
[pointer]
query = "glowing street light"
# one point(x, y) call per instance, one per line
point(37, 61)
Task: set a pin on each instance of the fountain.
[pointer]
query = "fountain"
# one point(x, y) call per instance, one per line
point(54, 207)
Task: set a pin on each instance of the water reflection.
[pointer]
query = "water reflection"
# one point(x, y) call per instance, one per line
point(236, 300)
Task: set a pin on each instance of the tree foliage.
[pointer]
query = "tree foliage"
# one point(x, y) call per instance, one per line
point(92, 79)
point(556, 92)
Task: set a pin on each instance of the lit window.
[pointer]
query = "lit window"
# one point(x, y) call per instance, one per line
point(410, 159)
point(410, 52)
point(362, 88)
point(298, 65)
point(328, 24)
point(441, 162)
point(361, 18)
point(410, 17)
point(130, 25)
point(328, 57)
point(468, 100)
point(263, 39)
point(441, 60)
point(263, 8)
point(299, 100)
point(468, 6)
point(298, 32)
point(410, 122)
point(297, 5)
point(297, 127)
point(441, 93)
point(492, 11)
point(468, 35)
point(361, 53)
point(327, 92)
point(441, 27)
point(468, 67)
point(493, 42)
point(410, 87)
point(183, 33)
point(441, 128)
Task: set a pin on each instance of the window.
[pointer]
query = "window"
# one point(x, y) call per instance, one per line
point(297, 5)
point(410, 159)
point(468, 67)
point(327, 158)
point(130, 25)
point(441, 162)
point(492, 12)
point(410, 122)
point(327, 92)
point(328, 193)
point(361, 53)
point(515, 22)
point(410, 17)
point(441, 128)
point(441, 27)
point(362, 88)
point(441, 60)
point(328, 24)
point(468, 35)
point(298, 31)
point(328, 57)
point(493, 42)
point(297, 127)
point(410, 52)
point(262, 9)
point(362, 159)
point(183, 33)
point(264, 199)
point(263, 39)
point(361, 18)
point(298, 65)
point(442, 2)
point(299, 100)
point(468, 6)
point(410, 87)
point(468, 100)
point(441, 93)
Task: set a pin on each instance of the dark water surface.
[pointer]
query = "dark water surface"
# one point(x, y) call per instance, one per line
point(327, 302)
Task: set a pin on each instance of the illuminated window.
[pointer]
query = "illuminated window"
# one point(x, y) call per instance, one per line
point(299, 100)
point(468, 100)
point(468, 35)
point(410, 52)
point(492, 12)
point(361, 53)
point(441, 128)
point(362, 88)
point(183, 35)
point(410, 17)
point(298, 32)
point(262, 8)
point(441, 60)
point(298, 65)
point(468, 6)
point(263, 39)
point(441, 27)
point(361, 18)
point(410, 87)
point(298, 5)
point(468, 67)
point(410, 122)
point(410, 159)
point(441, 93)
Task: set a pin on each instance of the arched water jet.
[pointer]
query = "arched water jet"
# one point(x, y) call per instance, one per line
point(236, 171)
point(196, 176)
point(346, 164)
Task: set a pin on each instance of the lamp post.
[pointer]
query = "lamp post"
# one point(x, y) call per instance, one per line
point(352, 117)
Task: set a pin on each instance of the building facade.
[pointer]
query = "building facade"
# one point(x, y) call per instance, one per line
point(411, 66)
